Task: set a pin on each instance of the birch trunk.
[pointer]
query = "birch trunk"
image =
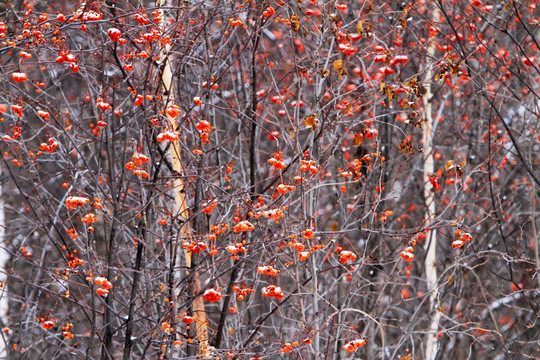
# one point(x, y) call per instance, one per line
point(180, 204)
point(429, 168)
point(4, 257)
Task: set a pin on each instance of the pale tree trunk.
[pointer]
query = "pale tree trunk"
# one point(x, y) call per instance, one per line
point(429, 169)
point(536, 240)
point(180, 204)
point(4, 257)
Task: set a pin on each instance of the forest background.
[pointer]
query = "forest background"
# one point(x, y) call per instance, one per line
point(269, 179)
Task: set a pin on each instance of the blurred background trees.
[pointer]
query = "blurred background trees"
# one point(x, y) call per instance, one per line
point(251, 179)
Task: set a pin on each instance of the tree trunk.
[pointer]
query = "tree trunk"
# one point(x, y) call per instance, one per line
point(179, 195)
point(429, 169)
point(4, 257)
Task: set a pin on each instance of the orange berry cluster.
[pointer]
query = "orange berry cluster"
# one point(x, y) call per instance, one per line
point(241, 292)
point(168, 134)
point(283, 188)
point(19, 76)
point(194, 246)
point(204, 127)
point(97, 203)
point(212, 295)
point(49, 146)
point(66, 56)
point(105, 284)
point(75, 201)
point(165, 326)
point(214, 85)
point(277, 161)
point(243, 226)
point(407, 254)
point(236, 22)
point(220, 228)
point(346, 255)
point(48, 324)
point(274, 214)
point(308, 165)
point(17, 109)
point(139, 158)
point(345, 174)
point(17, 131)
point(173, 111)
point(273, 291)
point(86, 15)
point(213, 251)
point(26, 252)
point(89, 218)
point(236, 249)
point(66, 333)
point(269, 11)
point(209, 207)
point(45, 321)
point(303, 255)
point(74, 261)
point(461, 239)
point(103, 105)
point(137, 161)
point(287, 348)
point(298, 246)
point(354, 345)
point(308, 234)
point(216, 229)
point(188, 319)
point(268, 270)
point(72, 233)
